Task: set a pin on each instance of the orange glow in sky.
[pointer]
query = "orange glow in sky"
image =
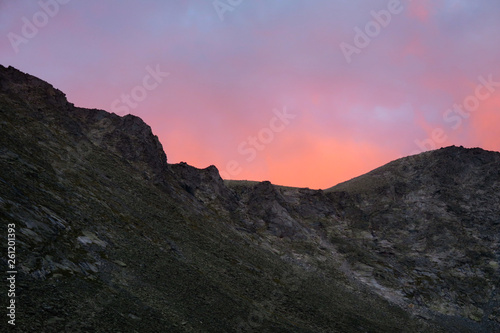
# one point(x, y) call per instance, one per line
point(366, 82)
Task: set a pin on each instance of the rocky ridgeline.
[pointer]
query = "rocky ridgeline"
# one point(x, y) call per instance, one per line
point(129, 137)
point(112, 238)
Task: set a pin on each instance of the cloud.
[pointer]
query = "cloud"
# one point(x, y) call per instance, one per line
point(227, 76)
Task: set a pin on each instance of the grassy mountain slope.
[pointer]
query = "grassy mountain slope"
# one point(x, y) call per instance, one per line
point(110, 237)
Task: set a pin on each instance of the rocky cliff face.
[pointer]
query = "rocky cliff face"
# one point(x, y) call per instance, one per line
point(431, 228)
point(112, 238)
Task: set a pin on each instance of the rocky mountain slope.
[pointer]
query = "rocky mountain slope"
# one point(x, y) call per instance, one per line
point(112, 238)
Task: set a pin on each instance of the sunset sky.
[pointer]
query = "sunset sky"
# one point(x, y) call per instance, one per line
point(301, 93)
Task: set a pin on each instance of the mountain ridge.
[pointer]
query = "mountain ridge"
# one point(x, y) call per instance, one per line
point(112, 237)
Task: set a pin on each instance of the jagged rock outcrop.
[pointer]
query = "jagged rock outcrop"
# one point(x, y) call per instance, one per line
point(112, 238)
point(128, 137)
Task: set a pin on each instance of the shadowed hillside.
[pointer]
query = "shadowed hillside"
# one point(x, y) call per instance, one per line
point(110, 237)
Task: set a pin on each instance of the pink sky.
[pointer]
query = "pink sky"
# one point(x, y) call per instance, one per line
point(269, 92)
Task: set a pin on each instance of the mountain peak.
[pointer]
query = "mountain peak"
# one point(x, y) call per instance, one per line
point(111, 237)
point(128, 137)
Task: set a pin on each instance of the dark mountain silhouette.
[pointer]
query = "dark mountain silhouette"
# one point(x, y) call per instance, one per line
point(112, 238)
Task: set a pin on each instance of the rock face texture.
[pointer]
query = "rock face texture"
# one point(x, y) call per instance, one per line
point(433, 223)
point(109, 237)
